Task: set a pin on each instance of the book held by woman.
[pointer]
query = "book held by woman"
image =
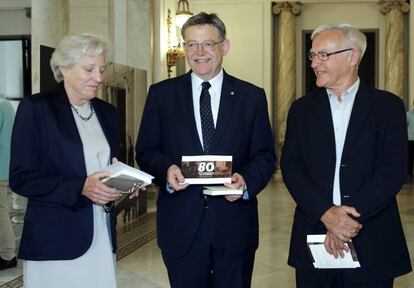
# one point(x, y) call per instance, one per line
point(125, 178)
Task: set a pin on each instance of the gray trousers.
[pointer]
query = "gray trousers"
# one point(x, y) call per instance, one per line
point(7, 240)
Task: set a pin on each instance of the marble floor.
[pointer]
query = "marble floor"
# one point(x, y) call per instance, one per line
point(144, 268)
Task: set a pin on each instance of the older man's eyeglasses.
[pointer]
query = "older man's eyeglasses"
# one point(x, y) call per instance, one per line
point(323, 56)
point(206, 45)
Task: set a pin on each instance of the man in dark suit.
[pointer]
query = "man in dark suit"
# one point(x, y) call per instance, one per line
point(207, 241)
point(344, 160)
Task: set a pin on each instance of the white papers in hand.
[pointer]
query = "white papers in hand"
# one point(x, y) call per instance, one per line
point(323, 260)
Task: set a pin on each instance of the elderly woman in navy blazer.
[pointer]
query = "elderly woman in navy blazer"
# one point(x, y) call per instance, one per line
point(61, 141)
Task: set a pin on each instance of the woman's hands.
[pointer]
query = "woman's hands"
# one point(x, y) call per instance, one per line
point(98, 192)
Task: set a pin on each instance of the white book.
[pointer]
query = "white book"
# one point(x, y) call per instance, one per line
point(125, 178)
point(207, 169)
point(323, 260)
point(220, 191)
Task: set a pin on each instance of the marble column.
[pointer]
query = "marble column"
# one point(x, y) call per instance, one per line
point(285, 78)
point(50, 23)
point(394, 44)
point(139, 33)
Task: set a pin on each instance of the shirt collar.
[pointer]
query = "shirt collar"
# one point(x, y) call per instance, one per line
point(348, 94)
point(214, 82)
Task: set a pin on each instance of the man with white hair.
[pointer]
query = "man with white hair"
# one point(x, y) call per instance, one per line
point(344, 160)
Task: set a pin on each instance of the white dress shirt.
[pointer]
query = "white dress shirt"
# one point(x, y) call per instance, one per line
point(215, 92)
point(341, 113)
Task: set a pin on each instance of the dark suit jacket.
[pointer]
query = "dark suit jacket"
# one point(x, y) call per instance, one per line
point(168, 131)
point(373, 169)
point(47, 166)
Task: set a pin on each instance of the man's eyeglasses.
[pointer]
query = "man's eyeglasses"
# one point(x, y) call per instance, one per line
point(206, 45)
point(323, 56)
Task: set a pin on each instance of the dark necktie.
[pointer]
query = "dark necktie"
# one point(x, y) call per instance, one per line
point(207, 123)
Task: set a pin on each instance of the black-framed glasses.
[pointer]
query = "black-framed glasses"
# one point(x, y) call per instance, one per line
point(207, 45)
point(323, 56)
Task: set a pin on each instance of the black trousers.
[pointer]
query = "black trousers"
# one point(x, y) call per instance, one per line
point(410, 157)
point(207, 265)
point(333, 278)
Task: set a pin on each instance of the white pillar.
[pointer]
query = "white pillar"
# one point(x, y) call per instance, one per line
point(49, 26)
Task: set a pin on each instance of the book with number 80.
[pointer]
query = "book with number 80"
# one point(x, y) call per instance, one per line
point(207, 169)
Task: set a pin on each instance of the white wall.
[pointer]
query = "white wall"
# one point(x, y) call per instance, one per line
point(89, 16)
point(14, 22)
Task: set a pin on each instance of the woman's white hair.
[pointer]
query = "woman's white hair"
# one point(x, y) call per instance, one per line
point(73, 47)
point(351, 35)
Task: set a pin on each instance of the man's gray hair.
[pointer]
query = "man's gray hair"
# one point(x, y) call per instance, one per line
point(203, 18)
point(351, 35)
point(73, 47)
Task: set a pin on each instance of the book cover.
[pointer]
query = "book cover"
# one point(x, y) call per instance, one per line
point(125, 178)
point(207, 169)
